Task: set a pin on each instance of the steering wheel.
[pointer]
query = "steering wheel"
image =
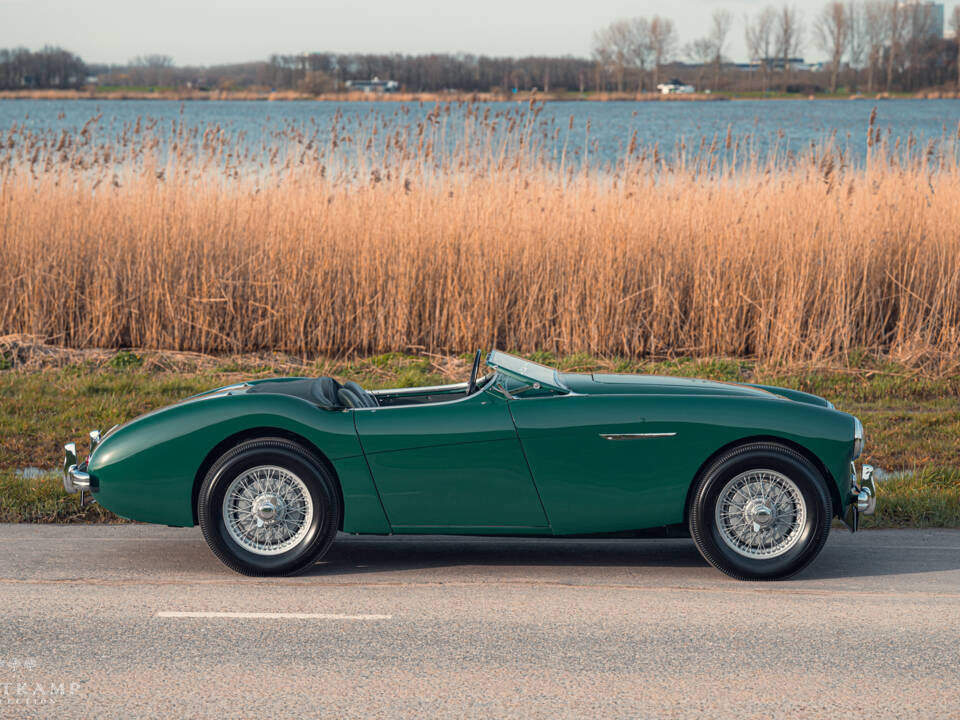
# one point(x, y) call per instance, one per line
point(472, 385)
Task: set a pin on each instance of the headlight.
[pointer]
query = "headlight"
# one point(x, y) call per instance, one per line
point(857, 438)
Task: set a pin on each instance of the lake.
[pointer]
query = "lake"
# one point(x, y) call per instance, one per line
point(787, 125)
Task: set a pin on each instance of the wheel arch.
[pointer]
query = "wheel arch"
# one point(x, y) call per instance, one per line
point(774, 439)
point(253, 434)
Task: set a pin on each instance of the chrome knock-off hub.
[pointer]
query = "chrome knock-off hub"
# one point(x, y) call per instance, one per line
point(758, 513)
point(268, 508)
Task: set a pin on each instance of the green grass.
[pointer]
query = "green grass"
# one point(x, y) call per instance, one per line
point(927, 498)
point(912, 421)
point(43, 500)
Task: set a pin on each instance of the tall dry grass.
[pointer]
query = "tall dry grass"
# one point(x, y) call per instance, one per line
point(483, 229)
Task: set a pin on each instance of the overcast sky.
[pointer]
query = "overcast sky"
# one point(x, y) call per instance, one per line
point(205, 32)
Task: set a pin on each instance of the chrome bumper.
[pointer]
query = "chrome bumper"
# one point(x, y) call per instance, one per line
point(863, 496)
point(75, 479)
point(75, 475)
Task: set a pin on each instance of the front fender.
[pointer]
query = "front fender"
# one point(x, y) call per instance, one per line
point(589, 483)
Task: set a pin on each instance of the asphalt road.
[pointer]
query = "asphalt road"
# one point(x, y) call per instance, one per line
point(416, 627)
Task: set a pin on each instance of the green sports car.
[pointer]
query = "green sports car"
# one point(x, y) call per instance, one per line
point(272, 469)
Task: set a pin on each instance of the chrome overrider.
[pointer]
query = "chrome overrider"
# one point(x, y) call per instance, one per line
point(75, 475)
point(863, 489)
point(863, 496)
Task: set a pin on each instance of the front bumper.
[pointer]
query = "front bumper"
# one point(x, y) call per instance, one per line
point(863, 496)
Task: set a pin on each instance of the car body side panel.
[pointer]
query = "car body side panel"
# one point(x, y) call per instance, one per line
point(590, 484)
point(362, 510)
point(455, 466)
point(146, 469)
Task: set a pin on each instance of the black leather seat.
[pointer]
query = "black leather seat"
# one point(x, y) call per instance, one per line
point(352, 395)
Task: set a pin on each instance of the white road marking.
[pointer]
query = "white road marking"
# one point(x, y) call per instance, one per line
point(271, 616)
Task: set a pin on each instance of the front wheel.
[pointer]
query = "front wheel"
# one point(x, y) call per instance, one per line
point(268, 507)
point(760, 512)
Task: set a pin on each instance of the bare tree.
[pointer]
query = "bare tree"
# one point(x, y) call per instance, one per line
point(663, 41)
point(955, 26)
point(789, 34)
point(641, 47)
point(700, 53)
point(894, 37)
point(719, 29)
point(152, 69)
point(857, 44)
point(760, 40)
point(832, 33)
point(612, 48)
point(875, 18)
point(918, 39)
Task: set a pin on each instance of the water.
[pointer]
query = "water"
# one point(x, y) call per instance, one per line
point(787, 125)
point(32, 473)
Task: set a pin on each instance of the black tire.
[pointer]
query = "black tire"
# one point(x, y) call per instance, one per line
point(293, 458)
point(810, 537)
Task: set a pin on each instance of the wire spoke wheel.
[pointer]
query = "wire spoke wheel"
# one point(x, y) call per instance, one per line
point(760, 514)
point(267, 510)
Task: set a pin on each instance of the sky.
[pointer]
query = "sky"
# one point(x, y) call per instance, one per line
point(209, 32)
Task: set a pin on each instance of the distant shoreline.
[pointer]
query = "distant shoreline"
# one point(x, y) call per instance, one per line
point(290, 95)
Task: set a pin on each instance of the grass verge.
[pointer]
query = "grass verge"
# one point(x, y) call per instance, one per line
point(43, 500)
point(927, 498)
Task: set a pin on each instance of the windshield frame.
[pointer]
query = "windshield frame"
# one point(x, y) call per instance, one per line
point(526, 371)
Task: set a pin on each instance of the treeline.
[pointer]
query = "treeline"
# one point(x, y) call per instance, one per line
point(436, 72)
point(869, 45)
point(307, 72)
point(49, 67)
point(330, 72)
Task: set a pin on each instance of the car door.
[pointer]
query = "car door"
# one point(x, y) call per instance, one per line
point(455, 466)
point(606, 463)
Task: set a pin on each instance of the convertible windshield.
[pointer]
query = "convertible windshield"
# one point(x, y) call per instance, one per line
point(525, 370)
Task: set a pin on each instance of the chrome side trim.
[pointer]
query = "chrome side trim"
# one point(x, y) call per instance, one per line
point(453, 387)
point(636, 436)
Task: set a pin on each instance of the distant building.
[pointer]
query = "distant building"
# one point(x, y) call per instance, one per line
point(374, 85)
point(923, 16)
point(777, 64)
point(675, 87)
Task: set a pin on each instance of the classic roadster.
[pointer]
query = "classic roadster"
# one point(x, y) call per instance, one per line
point(273, 469)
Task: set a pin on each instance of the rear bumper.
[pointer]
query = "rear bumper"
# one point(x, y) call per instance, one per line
point(863, 496)
point(75, 476)
point(76, 479)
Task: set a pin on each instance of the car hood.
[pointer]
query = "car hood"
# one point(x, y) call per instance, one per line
point(615, 384)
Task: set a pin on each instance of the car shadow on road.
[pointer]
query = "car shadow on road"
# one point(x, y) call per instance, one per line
point(350, 555)
point(847, 557)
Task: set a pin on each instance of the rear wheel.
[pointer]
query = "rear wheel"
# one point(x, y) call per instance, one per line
point(760, 512)
point(268, 507)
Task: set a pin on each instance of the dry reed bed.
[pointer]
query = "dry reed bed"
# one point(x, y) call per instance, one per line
point(370, 238)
